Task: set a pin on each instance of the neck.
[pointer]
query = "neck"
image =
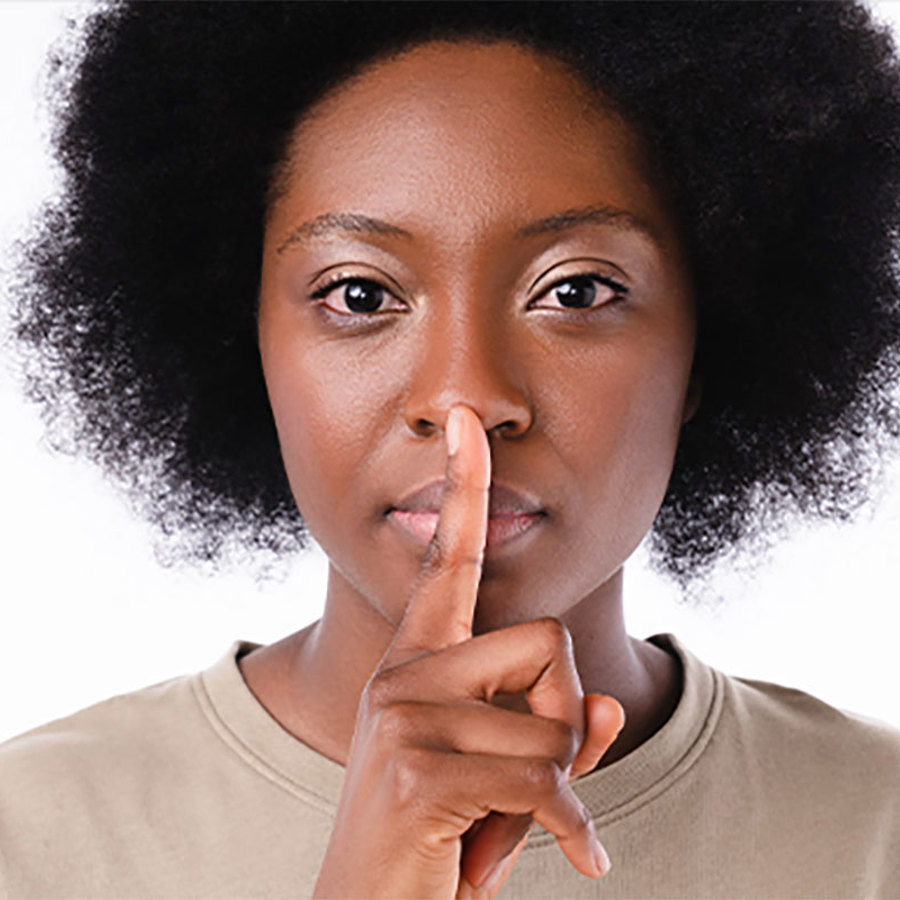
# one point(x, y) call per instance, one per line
point(643, 678)
point(311, 681)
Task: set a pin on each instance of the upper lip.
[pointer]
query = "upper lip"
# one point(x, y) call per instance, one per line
point(503, 500)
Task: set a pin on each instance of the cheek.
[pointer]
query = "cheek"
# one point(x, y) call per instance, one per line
point(324, 420)
point(623, 434)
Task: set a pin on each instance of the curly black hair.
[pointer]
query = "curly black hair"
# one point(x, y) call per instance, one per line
point(777, 126)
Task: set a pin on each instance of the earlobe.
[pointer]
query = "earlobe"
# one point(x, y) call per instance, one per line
point(692, 398)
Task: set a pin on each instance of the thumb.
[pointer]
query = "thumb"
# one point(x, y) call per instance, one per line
point(605, 720)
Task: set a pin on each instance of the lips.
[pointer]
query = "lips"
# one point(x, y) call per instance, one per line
point(503, 500)
point(511, 513)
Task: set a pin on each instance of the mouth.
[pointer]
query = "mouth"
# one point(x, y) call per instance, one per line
point(511, 513)
point(501, 530)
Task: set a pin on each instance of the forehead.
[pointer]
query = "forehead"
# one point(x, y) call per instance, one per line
point(466, 134)
point(471, 76)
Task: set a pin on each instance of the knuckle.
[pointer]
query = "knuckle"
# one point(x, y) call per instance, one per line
point(394, 722)
point(441, 557)
point(555, 634)
point(585, 823)
point(433, 563)
point(544, 776)
point(411, 771)
point(382, 688)
point(565, 741)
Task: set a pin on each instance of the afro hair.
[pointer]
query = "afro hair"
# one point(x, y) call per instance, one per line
point(777, 126)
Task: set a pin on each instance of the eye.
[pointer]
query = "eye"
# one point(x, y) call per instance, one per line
point(590, 290)
point(358, 296)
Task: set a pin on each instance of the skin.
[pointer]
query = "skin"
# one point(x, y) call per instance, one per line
point(461, 145)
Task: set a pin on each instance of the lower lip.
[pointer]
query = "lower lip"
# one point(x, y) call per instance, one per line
point(501, 529)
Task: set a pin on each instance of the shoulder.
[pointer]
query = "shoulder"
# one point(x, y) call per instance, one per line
point(74, 788)
point(815, 784)
point(104, 741)
point(806, 748)
point(780, 726)
point(775, 710)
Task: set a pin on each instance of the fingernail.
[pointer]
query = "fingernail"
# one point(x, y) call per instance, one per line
point(601, 859)
point(454, 425)
point(621, 709)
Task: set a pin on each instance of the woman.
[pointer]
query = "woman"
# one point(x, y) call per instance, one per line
point(528, 282)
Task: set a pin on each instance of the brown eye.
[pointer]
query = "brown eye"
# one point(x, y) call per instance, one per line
point(353, 296)
point(362, 296)
point(576, 293)
point(583, 292)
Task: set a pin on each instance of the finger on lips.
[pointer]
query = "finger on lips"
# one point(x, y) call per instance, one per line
point(442, 607)
point(433, 687)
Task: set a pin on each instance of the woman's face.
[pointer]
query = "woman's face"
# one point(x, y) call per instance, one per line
point(522, 263)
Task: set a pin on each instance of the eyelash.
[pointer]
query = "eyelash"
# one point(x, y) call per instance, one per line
point(338, 280)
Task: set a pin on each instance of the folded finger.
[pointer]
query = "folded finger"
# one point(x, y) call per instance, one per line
point(605, 719)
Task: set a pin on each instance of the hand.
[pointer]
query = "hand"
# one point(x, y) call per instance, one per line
point(441, 785)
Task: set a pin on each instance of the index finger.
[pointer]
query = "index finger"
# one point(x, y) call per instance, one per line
point(442, 606)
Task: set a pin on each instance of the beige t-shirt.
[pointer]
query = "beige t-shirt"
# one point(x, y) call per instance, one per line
point(190, 789)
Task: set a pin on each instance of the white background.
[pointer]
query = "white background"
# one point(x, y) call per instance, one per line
point(87, 612)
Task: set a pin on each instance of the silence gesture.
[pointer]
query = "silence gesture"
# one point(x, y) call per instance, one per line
point(441, 785)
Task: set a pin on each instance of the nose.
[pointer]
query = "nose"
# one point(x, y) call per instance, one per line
point(470, 361)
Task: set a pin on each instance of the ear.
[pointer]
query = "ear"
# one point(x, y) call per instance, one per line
point(692, 398)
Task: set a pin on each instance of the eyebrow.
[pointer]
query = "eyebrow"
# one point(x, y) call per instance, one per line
point(335, 223)
point(347, 222)
point(597, 214)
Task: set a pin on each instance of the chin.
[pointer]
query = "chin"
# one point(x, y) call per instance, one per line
point(491, 613)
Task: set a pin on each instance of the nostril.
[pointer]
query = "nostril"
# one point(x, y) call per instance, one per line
point(424, 427)
point(509, 429)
